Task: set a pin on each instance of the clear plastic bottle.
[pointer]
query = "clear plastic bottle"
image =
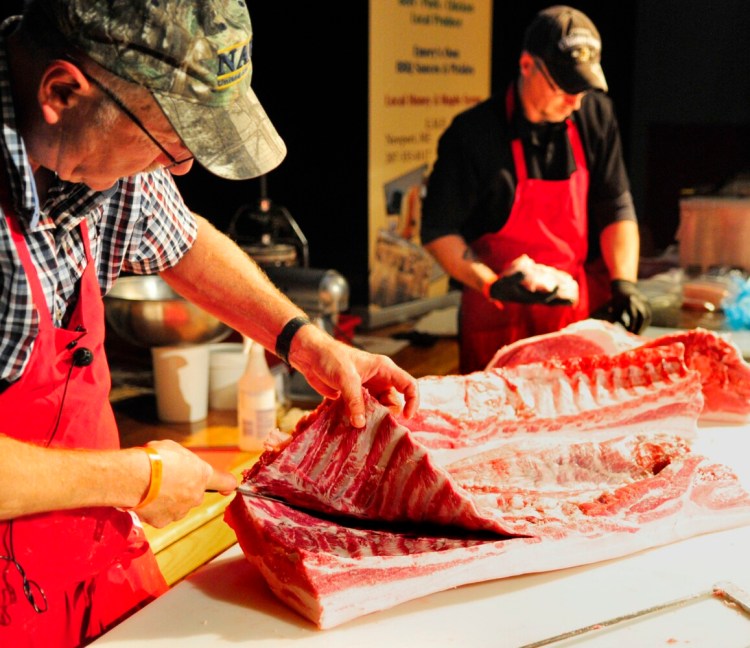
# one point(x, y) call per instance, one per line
point(256, 401)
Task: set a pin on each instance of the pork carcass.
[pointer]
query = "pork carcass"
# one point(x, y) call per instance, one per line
point(394, 512)
point(332, 572)
point(725, 376)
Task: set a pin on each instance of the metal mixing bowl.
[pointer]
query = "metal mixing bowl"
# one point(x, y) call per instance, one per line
point(146, 312)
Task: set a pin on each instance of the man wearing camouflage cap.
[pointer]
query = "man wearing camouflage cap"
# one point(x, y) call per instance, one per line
point(100, 103)
point(537, 172)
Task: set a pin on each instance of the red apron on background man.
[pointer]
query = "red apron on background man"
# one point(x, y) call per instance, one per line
point(66, 576)
point(548, 222)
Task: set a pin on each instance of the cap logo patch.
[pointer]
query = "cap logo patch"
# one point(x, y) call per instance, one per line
point(234, 64)
point(580, 44)
point(581, 54)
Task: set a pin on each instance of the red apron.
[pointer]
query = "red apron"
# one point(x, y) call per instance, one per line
point(548, 222)
point(85, 569)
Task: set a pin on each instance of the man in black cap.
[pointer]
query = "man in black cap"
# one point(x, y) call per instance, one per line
point(101, 102)
point(531, 184)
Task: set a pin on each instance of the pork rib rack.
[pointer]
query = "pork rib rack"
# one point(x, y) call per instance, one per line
point(725, 376)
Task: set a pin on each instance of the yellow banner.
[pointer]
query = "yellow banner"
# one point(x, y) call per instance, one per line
point(429, 60)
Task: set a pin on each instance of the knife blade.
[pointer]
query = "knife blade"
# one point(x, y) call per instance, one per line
point(245, 489)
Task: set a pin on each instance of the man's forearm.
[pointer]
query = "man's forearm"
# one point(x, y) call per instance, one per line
point(459, 261)
point(620, 244)
point(221, 278)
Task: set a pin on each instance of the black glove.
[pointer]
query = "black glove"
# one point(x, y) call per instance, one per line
point(509, 288)
point(628, 306)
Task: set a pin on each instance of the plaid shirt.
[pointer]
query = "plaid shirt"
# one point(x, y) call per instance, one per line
point(140, 225)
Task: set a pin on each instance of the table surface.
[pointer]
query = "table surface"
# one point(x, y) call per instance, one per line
point(226, 602)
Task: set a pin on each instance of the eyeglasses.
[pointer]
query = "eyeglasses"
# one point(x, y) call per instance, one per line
point(132, 116)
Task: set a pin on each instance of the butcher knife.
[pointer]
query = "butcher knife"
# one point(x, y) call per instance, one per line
point(403, 527)
point(249, 491)
point(245, 489)
point(725, 590)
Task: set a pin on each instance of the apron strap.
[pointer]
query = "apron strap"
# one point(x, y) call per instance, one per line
point(37, 292)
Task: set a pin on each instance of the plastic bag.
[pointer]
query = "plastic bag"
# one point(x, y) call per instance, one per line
point(737, 307)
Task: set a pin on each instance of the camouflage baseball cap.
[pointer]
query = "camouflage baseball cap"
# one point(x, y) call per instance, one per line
point(194, 58)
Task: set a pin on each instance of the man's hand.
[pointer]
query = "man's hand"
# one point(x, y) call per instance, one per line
point(628, 307)
point(184, 481)
point(335, 369)
point(509, 288)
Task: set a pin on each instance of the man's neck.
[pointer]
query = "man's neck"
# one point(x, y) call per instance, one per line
point(44, 179)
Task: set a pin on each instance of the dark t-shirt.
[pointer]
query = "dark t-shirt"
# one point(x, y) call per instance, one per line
point(472, 184)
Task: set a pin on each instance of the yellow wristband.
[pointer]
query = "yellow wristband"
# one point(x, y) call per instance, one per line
point(154, 485)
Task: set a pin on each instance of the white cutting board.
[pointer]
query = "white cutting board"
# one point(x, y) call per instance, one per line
point(226, 602)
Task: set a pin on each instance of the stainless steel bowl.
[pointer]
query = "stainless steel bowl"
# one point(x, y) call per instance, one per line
point(144, 311)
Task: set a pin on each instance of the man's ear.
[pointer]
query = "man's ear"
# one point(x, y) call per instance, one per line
point(525, 64)
point(60, 88)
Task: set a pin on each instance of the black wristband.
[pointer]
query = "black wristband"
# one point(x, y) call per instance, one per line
point(284, 340)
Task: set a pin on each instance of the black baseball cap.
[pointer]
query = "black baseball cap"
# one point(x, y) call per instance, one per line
point(569, 44)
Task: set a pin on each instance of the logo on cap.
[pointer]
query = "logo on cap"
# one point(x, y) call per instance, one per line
point(233, 64)
point(580, 44)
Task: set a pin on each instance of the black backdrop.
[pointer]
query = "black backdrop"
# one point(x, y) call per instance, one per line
point(310, 72)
